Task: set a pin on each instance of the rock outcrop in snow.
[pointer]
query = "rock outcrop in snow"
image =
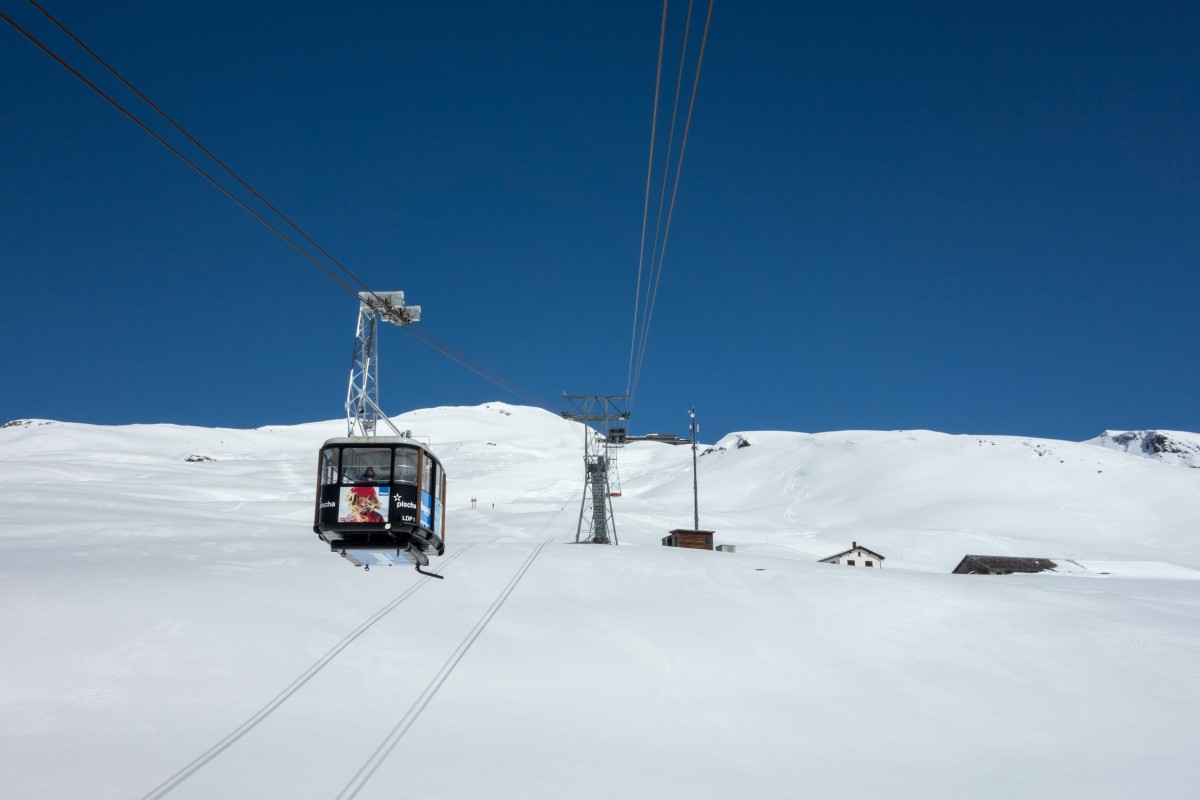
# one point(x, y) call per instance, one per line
point(1170, 447)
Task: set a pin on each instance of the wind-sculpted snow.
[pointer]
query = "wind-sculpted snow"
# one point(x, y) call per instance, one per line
point(173, 627)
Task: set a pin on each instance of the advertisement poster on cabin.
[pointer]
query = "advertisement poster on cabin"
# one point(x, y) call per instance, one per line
point(363, 504)
point(404, 503)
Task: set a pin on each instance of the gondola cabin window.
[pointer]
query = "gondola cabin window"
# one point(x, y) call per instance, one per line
point(441, 515)
point(329, 466)
point(366, 465)
point(426, 516)
point(406, 465)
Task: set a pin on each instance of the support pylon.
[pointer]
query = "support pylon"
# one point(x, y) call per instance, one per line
point(596, 521)
point(362, 396)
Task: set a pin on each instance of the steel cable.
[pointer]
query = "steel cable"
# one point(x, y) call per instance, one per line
point(385, 748)
point(662, 35)
point(258, 716)
point(647, 312)
point(425, 337)
point(196, 142)
point(671, 210)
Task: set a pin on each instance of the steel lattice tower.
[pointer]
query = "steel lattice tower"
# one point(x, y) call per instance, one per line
point(362, 397)
point(599, 456)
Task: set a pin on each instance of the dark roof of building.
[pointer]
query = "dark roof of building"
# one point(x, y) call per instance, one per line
point(856, 546)
point(1007, 563)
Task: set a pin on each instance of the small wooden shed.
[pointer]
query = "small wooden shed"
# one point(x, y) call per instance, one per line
point(696, 540)
point(1001, 565)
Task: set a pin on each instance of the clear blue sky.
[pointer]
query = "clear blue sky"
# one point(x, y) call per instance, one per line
point(974, 217)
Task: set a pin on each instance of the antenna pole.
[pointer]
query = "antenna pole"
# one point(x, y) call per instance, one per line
point(695, 484)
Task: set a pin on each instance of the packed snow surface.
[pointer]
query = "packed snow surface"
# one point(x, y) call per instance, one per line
point(173, 628)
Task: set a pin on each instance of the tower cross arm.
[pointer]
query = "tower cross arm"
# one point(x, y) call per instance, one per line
point(391, 307)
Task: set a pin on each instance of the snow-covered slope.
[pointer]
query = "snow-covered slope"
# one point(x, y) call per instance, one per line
point(174, 629)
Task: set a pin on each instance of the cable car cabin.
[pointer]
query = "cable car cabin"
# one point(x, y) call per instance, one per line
point(381, 500)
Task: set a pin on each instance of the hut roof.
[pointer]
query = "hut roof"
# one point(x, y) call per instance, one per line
point(856, 546)
point(1006, 563)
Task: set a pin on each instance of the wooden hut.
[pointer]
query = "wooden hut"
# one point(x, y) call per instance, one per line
point(696, 540)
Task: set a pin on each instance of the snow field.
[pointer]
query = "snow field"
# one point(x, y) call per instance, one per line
point(163, 614)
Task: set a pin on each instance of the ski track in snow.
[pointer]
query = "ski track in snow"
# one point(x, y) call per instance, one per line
point(207, 756)
point(310, 683)
point(389, 743)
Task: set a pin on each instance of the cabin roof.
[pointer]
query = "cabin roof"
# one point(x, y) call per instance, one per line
point(856, 546)
point(373, 441)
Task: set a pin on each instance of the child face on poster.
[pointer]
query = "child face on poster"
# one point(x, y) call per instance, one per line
point(361, 505)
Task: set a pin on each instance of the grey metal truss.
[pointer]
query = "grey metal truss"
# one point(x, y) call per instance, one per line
point(599, 458)
point(362, 396)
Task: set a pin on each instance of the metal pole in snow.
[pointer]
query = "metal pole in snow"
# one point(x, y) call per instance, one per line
point(695, 486)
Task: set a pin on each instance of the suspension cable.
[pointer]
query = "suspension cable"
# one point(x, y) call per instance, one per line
point(454, 354)
point(656, 270)
point(169, 147)
point(662, 35)
point(658, 222)
point(421, 335)
point(202, 148)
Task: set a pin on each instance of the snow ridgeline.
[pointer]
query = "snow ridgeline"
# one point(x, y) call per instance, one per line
point(176, 624)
